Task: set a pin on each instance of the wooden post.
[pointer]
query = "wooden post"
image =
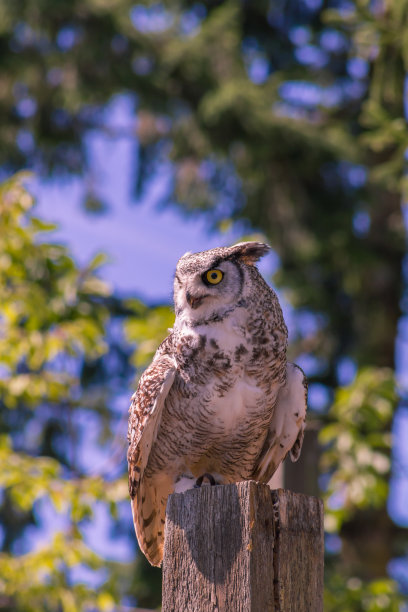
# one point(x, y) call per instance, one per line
point(243, 548)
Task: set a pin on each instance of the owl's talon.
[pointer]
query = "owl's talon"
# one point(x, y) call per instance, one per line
point(209, 477)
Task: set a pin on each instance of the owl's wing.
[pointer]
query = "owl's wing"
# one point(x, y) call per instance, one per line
point(148, 496)
point(287, 427)
point(144, 415)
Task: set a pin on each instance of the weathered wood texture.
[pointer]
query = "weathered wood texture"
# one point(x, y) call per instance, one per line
point(243, 548)
point(298, 552)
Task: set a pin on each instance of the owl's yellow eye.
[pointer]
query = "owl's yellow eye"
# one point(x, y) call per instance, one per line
point(213, 277)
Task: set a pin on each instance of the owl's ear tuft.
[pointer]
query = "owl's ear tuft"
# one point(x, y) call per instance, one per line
point(249, 252)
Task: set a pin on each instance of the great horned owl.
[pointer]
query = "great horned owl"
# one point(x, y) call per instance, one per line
point(219, 398)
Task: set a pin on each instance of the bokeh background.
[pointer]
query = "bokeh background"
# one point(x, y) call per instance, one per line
point(150, 129)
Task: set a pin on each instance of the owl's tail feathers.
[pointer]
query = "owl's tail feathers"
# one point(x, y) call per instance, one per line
point(149, 513)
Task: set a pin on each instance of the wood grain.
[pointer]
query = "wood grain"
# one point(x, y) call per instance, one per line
point(298, 552)
point(242, 548)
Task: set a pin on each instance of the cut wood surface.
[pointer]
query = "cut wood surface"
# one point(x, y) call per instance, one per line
point(243, 548)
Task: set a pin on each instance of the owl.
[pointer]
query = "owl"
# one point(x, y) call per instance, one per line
point(219, 401)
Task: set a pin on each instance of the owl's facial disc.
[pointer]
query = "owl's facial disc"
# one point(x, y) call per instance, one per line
point(203, 289)
point(210, 278)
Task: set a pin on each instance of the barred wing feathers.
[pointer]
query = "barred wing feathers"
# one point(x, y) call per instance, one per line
point(144, 419)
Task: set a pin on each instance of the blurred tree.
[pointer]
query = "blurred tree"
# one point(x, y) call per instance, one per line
point(288, 115)
point(56, 325)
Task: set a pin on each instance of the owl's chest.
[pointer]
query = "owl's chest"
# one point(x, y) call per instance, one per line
point(237, 347)
point(211, 352)
point(226, 373)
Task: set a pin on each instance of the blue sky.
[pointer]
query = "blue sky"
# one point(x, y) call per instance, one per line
point(143, 241)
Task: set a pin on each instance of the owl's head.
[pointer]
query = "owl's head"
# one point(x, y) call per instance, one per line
point(210, 282)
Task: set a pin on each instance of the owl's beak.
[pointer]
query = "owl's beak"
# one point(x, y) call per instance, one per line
point(194, 301)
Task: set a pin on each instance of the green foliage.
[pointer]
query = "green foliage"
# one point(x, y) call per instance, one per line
point(50, 309)
point(353, 595)
point(52, 316)
point(148, 328)
point(358, 444)
point(40, 580)
point(28, 479)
